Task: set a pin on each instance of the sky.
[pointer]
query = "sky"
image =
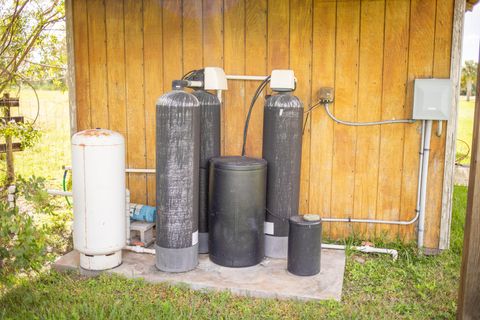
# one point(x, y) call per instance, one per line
point(471, 35)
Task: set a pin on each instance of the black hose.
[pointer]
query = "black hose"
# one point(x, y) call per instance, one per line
point(247, 121)
point(189, 74)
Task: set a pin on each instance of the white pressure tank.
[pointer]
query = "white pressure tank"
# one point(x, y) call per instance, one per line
point(98, 170)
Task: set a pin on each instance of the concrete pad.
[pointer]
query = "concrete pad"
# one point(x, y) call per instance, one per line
point(269, 279)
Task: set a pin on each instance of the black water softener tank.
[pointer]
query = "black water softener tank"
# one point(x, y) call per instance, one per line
point(209, 148)
point(237, 210)
point(282, 148)
point(304, 245)
point(178, 154)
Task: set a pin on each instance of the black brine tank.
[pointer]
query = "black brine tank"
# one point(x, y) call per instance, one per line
point(237, 210)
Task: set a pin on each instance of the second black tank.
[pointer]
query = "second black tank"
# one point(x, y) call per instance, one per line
point(209, 148)
point(282, 148)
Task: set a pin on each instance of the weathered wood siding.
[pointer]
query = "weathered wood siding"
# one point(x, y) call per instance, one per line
point(128, 52)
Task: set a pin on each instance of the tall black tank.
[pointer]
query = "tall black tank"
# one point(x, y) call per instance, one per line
point(178, 154)
point(282, 148)
point(237, 210)
point(209, 148)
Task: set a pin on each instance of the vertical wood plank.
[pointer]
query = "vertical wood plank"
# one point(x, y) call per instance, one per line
point(97, 62)
point(134, 69)
point(153, 64)
point(369, 109)
point(172, 43)
point(451, 130)
point(213, 33)
point(301, 63)
point(441, 69)
point(346, 93)
point(70, 75)
point(421, 48)
point(395, 64)
point(117, 116)
point(116, 66)
point(192, 36)
point(278, 34)
point(213, 51)
point(323, 67)
point(82, 76)
point(256, 64)
point(234, 46)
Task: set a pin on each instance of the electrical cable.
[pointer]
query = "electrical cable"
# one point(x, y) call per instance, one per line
point(308, 114)
point(360, 124)
point(254, 99)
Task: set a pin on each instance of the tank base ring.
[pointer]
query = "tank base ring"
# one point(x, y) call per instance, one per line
point(100, 262)
point(276, 247)
point(203, 242)
point(176, 259)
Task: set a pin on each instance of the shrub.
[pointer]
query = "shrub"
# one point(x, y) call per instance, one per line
point(33, 235)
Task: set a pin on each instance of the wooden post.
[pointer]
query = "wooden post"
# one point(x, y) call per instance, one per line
point(9, 147)
point(451, 130)
point(469, 295)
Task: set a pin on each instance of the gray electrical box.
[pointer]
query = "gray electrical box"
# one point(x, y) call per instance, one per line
point(432, 99)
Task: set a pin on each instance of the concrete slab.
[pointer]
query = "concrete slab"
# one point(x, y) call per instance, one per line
point(269, 279)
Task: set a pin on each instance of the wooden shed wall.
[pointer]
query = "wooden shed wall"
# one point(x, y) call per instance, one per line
point(128, 52)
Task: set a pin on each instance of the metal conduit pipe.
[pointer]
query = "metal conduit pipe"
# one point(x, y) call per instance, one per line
point(396, 222)
point(421, 189)
point(364, 249)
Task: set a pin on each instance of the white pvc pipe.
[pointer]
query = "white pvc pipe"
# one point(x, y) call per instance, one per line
point(139, 249)
point(128, 170)
point(127, 214)
point(240, 77)
point(132, 170)
point(423, 191)
point(54, 192)
point(365, 249)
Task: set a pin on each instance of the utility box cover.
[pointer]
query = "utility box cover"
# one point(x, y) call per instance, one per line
point(432, 99)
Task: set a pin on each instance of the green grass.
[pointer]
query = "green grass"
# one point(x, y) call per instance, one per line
point(375, 287)
point(465, 128)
